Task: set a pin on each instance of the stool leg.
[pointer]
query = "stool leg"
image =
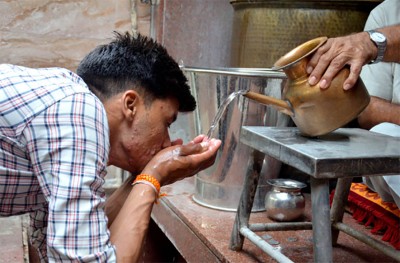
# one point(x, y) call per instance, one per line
point(246, 199)
point(321, 224)
point(339, 203)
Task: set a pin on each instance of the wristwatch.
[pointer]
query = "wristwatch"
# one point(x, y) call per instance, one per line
point(379, 40)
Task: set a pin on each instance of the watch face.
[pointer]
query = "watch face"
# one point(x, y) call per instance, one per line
point(378, 37)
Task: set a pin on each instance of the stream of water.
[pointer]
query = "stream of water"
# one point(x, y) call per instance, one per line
point(222, 109)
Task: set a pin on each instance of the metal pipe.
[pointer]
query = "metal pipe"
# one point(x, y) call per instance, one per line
point(153, 9)
point(322, 236)
point(251, 72)
point(264, 246)
point(284, 226)
point(134, 27)
point(339, 203)
point(385, 249)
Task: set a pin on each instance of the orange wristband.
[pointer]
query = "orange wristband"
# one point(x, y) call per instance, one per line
point(151, 181)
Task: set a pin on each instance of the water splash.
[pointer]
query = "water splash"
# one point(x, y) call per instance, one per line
point(222, 109)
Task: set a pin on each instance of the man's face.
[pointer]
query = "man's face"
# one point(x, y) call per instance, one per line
point(145, 135)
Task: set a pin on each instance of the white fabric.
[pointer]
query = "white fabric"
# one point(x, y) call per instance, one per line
point(388, 186)
point(383, 80)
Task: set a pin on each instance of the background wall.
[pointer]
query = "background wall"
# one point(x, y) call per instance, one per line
point(45, 33)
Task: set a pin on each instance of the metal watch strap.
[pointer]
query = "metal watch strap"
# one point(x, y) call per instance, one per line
point(380, 45)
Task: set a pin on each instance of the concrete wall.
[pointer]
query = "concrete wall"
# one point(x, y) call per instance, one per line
point(44, 33)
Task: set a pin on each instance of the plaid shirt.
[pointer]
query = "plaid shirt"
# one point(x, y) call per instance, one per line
point(54, 144)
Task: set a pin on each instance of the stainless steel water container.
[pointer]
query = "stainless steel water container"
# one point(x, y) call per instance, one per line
point(220, 186)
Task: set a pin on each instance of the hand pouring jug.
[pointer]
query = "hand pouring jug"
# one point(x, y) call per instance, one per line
point(315, 111)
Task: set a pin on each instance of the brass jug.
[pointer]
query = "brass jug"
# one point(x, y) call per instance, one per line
point(315, 111)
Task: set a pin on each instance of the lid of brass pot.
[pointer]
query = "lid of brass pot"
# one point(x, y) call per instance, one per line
point(315, 111)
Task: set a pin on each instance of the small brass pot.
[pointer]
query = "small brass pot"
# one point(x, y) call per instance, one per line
point(315, 111)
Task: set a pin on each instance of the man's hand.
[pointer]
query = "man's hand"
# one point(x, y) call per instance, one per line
point(353, 50)
point(180, 161)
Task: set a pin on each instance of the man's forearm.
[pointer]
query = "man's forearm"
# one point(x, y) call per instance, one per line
point(392, 34)
point(378, 111)
point(129, 228)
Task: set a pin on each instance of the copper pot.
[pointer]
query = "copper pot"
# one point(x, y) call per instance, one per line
point(315, 111)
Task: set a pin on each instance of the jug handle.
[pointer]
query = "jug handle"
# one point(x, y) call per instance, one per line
point(281, 105)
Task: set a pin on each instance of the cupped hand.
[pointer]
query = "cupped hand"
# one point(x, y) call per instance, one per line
point(353, 50)
point(180, 161)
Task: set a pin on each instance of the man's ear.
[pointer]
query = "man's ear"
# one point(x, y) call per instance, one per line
point(131, 101)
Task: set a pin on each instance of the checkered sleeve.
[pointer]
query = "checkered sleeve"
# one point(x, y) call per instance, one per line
point(68, 147)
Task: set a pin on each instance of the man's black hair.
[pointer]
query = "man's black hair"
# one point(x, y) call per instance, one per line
point(138, 62)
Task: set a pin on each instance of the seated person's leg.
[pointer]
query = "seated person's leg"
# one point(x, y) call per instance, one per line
point(388, 187)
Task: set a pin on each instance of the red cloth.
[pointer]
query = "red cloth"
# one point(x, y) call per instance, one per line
point(369, 209)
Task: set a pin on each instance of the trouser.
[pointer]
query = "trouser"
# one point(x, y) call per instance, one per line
point(387, 186)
